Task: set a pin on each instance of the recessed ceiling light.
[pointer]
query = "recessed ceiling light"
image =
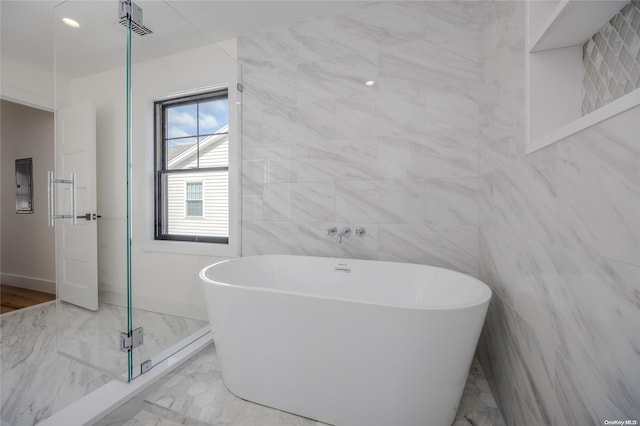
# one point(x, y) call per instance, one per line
point(70, 22)
point(370, 83)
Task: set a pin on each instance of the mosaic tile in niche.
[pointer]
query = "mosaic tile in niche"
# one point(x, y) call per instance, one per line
point(611, 60)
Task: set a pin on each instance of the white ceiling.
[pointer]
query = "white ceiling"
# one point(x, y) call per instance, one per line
point(29, 28)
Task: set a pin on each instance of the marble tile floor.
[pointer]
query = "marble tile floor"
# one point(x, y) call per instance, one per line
point(36, 381)
point(194, 394)
point(93, 337)
point(146, 418)
point(477, 406)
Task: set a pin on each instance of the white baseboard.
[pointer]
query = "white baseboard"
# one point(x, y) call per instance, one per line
point(155, 304)
point(30, 283)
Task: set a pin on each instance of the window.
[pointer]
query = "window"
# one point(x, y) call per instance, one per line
point(193, 201)
point(192, 168)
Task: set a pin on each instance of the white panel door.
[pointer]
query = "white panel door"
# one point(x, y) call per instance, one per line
point(77, 245)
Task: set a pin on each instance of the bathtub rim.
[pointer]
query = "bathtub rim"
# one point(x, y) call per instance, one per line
point(484, 299)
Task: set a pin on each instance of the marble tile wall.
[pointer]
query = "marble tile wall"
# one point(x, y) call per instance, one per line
point(320, 148)
point(559, 245)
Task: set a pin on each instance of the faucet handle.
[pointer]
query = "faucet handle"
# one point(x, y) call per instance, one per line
point(332, 231)
point(360, 231)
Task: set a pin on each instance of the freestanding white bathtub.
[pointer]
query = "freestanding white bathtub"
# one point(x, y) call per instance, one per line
point(346, 342)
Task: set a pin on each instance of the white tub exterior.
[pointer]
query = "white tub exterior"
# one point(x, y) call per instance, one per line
point(384, 344)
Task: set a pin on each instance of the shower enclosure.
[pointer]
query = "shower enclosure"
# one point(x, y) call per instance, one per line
point(126, 298)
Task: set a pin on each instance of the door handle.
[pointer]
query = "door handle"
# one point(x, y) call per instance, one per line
point(89, 216)
point(50, 195)
point(51, 198)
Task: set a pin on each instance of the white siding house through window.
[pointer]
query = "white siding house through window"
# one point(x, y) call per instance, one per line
point(214, 221)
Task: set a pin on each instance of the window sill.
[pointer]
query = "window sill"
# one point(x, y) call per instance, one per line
point(190, 248)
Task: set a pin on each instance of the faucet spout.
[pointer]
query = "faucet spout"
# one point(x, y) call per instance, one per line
point(344, 232)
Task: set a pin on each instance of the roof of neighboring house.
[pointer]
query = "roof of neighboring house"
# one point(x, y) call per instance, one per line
point(186, 154)
point(174, 151)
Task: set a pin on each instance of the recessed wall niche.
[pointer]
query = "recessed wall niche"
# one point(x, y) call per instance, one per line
point(558, 35)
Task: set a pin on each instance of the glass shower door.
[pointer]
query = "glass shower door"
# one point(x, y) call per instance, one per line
point(112, 68)
point(90, 215)
point(90, 224)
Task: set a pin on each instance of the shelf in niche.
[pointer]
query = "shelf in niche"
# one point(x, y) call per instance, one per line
point(618, 106)
point(573, 22)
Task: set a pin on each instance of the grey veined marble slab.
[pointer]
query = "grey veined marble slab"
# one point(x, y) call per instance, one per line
point(197, 391)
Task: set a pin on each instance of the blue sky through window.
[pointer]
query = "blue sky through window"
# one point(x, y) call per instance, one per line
point(183, 121)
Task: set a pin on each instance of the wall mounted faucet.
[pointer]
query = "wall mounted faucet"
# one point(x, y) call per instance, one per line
point(344, 232)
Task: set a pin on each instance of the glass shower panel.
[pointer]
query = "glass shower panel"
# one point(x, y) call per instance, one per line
point(87, 187)
point(175, 61)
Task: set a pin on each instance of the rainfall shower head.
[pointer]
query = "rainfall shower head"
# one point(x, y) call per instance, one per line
point(130, 13)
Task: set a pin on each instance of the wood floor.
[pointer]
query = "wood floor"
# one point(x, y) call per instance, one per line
point(12, 298)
